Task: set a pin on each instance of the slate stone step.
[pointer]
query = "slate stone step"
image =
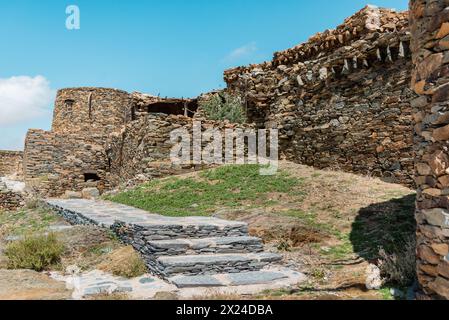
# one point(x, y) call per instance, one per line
point(222, 245)
point(231, 279)
point(168, 266)
point(134, 225)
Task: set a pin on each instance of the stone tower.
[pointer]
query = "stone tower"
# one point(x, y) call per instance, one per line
point(98, 111)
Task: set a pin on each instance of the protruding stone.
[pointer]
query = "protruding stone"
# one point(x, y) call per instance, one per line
point(441, 287)
point(444, 31)
point(428, 255)
point(437, 217)
point(439, 162)
point(440, 248)
point(423, 169)
point(90, 193)
point(441, 134)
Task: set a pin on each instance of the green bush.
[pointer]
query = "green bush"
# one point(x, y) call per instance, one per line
point(223, 106)
point(34, 252)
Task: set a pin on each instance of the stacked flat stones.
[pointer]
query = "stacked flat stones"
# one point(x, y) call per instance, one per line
point(340, 100)
point(10, 200)
point(173, 247)
point(430, 45)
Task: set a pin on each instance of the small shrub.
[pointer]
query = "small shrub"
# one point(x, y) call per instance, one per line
point(223, 106)
point(34, 252)
point(32, 203)
point(398, 267)
point(124, 262)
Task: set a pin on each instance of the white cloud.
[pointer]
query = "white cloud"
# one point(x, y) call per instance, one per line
point(24, 98)
point(241, 52)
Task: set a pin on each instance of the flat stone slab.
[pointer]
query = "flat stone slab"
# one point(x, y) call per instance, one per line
point(257, 277)
point(106, 213)
point(203, 245)
point(196, 281)
point(147, 286)
point(214, 259)
point(262, 277)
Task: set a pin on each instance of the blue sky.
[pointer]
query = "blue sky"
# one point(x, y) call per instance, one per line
point(167, 47)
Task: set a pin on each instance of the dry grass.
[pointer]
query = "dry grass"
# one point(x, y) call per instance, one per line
point(124, 262)
point(34, 252)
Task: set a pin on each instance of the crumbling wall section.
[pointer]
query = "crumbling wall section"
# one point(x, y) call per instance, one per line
point(10, 163)
point(54, 162)
point(142, 149)
point(342, 99)
point(430, 46)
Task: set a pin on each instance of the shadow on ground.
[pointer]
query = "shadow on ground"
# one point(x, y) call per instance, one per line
point(388, 225)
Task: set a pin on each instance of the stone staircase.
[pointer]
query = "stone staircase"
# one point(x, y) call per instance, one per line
point(185, 251)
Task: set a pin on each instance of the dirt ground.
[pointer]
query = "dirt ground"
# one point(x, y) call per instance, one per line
point(334, 231)
point(330, 227)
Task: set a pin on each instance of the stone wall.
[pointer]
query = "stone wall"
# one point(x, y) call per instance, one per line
point(10, 162)
point(430, 46)
point(341, 100)
point(91, 110)
point(55, 162)
point(141, 150)
point(10, 200)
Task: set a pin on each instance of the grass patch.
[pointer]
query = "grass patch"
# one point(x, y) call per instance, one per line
point(227, 186)
point(26, 221)
point(34, 252)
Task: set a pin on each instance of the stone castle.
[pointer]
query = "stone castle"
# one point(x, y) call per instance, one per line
point(342, 100)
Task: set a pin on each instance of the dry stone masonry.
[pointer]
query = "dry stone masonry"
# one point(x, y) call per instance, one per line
point(342, 99)
point(10, 163)
point(430, 79)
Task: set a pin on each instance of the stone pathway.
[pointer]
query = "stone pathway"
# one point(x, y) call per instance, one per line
point(148, 286)
point(187, 252)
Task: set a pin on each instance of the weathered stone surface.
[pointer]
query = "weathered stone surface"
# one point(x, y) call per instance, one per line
point(213, 264)
point(169, 245)
point(443, 269)
point(423, 169)
point(10, 163)
point(441, 134)
point(196, 281)
point(430, 45)
point(441, 287)
point(429, 255)
point(341, 102)
point(90, 193)
point(250, 278)
point(439, 162)
point(440, 248)
point(437, 217)
point(73, 195)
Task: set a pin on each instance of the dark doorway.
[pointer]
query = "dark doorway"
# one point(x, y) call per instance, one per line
point(91, 177)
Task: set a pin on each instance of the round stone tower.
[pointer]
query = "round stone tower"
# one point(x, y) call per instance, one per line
point(91, 110)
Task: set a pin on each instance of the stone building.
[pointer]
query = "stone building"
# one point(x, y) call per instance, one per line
point(73, 155)
point(341, 100)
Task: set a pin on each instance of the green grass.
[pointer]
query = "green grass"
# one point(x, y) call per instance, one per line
point(26, 221)
point(227, 186)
